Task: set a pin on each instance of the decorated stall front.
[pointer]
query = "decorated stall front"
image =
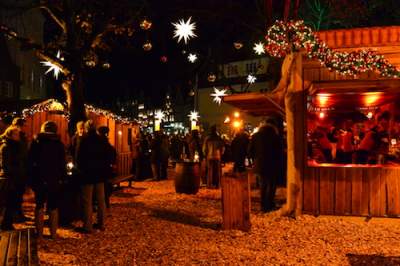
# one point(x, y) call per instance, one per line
point(341, 98)
point(122, 132)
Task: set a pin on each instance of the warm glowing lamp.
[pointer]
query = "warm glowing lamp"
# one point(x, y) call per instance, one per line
point(321, 115)
point(369, 115)
point(322, 99)
point(236, 114)
point(157, 125)
point(237, 124)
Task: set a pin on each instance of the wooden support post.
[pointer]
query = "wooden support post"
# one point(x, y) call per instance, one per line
point(236, 202)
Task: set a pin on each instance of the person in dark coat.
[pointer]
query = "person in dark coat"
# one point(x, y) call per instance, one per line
point(239, 151)
point(20, 186)
point(159, 155)
point(176, 148)
point(265, 148)
point(76, 139)
point(112, 159)
point(47, 166)
point(10, 173)
point(213, 148)
point(195, 146)
point(93, 163)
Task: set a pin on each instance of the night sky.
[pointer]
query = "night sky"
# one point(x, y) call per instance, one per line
point(135, 73)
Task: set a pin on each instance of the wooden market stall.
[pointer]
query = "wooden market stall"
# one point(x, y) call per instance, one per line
point(325, 105)
point(122, 132)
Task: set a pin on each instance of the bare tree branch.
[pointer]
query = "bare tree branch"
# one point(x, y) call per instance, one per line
point(59, 21)
point(27, 43)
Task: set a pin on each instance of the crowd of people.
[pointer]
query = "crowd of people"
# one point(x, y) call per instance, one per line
point(42, 167)
point(82, 170)
point(372, 141)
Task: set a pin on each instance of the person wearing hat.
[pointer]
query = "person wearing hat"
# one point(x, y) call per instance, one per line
point(10, 172)
point(22, 182)
point(47, 166)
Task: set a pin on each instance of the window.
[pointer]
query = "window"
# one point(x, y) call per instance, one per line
point(353, 128)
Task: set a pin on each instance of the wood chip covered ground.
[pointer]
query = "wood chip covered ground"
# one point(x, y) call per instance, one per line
point(150, 224)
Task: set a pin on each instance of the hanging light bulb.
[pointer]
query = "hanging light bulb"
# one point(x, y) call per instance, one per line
point(147, 46)
point(145, 24)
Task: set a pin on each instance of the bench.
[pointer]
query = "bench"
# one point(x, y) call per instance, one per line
point(18, 247)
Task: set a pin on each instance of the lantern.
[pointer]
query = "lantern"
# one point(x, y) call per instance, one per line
point(145, 24)
point(147, 46)
point(164, 59)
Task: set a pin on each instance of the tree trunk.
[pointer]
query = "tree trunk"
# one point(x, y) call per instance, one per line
point(74, 92)
point(295, 111)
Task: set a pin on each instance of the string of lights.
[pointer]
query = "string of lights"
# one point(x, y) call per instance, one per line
point(283, 38)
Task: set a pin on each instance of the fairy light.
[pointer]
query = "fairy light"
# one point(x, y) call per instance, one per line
point(282, 38)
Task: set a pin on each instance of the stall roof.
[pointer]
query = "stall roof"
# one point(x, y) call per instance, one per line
point(255, 103)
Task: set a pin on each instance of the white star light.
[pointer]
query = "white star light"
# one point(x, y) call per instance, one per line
point(52, 67)
point(184, 30)
point(194, 116)
point(259, 48)
point(251, 79)
point(218, 94)
point(159, 115)
point(192, 58)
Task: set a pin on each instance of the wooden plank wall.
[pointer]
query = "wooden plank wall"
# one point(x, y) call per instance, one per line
point(352, 191)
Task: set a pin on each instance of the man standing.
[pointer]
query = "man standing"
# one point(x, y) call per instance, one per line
point(47, 169)
point(93, 163)
point(159, 155)
point(265, 149)
point(21, 183)
point(213, 148)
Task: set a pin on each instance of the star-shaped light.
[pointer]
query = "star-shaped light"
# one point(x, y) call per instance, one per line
point(192, 58)
point(184, 30)
point(218, 94)
point(251, 79)
point(194, 116)
point(259, 48)
point(159, 115)
point(52, 67)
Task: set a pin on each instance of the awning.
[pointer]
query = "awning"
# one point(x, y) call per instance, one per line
point(255, 104)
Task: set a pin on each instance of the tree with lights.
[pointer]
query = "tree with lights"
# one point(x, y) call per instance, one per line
point(83, 33)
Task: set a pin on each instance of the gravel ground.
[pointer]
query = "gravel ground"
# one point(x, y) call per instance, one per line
point(150, 224)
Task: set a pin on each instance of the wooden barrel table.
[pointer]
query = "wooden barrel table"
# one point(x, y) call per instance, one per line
point(187, 179)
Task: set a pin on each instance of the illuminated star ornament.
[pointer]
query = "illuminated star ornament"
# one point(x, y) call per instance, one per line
point(194, 116)
point(218, 95)
point(159, 115)
point(251, 79)
point(259, 48)
point(184, 30)
point(192, 58)
point(52, 67)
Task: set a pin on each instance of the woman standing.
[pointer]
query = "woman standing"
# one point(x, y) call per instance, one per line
point(47, 164)
point(11, 173)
